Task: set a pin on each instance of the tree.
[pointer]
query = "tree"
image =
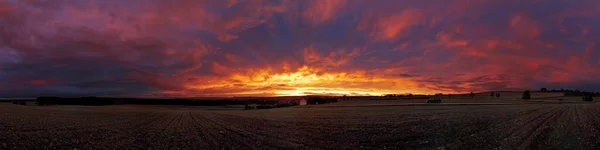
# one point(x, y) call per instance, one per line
point(492, 94)
point(389, 96)
point(498, 95)
point(588, 97)
point(526, 95)
point(472, 94)
point(544, 90)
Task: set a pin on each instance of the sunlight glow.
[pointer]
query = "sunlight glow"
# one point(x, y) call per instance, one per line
point(309, 81)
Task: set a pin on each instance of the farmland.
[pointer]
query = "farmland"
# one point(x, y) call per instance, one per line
point(502, 123)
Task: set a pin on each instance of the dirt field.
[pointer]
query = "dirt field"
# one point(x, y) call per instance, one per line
point(536, 125)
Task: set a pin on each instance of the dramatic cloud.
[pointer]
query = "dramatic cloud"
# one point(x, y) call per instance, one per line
point(188, 48)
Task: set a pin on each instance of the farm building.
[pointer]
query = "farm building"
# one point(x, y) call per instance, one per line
point(301, 101)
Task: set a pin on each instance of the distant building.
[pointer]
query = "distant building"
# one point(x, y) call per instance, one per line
point(302, 101)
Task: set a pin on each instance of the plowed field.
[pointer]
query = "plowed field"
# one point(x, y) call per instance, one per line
point(515, 126)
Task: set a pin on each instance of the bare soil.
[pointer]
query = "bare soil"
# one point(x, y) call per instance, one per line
point(516, 126)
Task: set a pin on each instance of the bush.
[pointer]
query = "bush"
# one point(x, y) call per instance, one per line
point(588, 97)
point(19, 102)
point(320, 100)
point(526, 95)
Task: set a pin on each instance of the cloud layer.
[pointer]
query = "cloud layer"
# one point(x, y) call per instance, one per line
point(188, 48)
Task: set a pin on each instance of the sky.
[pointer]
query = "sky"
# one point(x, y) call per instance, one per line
point(215, 48)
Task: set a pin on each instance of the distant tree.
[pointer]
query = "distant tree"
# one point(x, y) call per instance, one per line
point(492, 94)
point(526, 95)
point(472, 94)
point(449, 95)
point(544, 90)
point(389, 96)
point(588, 97)
point(497, 95)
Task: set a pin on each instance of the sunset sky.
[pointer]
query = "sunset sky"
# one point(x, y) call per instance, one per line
point(213, 48)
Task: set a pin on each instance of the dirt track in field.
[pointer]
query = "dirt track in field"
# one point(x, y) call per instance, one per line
point(524, 126)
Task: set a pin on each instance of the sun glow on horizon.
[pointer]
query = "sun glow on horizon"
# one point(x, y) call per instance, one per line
point(308, 81)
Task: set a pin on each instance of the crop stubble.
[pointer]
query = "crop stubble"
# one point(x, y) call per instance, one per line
point(526, 126)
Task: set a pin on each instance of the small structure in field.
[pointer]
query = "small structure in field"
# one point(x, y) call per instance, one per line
point(301, 101)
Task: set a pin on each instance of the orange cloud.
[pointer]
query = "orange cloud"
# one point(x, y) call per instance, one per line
point(219, 69)
point(525, 27)
point(226, 37)
point(233, 58)
point(335, 58)
point(311, 55)
point(447, 40)
point(390, 27)
point(6, 8)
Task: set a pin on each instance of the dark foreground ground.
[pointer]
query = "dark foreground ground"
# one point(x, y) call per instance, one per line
point(515, 126)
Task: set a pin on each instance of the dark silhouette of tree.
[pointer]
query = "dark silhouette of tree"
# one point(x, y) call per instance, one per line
point(526, 95)
point(497, 95)
point(389, 96)
point(492, 94)
point(472, 94)
point(588, 97)
point(449, 95)
point(544, 90)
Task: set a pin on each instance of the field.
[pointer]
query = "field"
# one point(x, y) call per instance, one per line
point(459, 123)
